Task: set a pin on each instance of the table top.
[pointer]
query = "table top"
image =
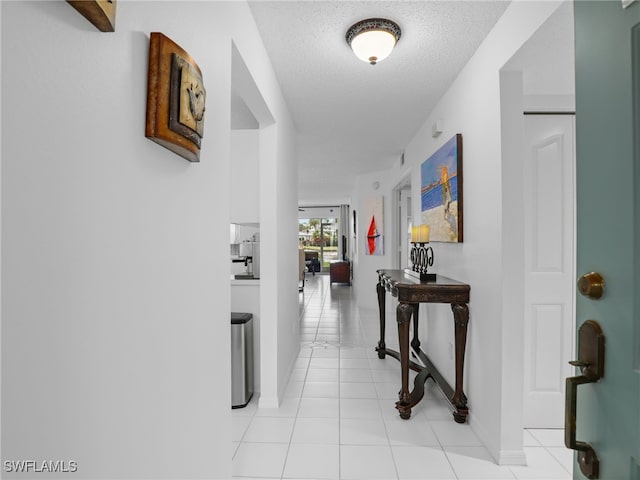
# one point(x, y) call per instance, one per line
point(409, 289)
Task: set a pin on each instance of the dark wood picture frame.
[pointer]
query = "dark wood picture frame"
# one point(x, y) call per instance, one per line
point(441, 192)
point(175, 98)
point(354, 224)
point(102, 13)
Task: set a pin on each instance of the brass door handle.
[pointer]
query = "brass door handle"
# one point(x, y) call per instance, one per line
point(587, 457)
point(591, 285)
point(591, 363)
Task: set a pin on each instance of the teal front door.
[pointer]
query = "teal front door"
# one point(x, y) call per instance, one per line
point(608, 228)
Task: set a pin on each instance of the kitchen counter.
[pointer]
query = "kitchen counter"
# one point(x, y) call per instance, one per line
point(244, 282)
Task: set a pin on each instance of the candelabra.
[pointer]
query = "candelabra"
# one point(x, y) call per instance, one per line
point(421, 260)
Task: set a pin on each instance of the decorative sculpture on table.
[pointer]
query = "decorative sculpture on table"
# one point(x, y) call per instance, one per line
point(421, 254)
point(175, 98)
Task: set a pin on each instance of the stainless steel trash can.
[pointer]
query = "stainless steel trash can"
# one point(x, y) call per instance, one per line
point(241, 359)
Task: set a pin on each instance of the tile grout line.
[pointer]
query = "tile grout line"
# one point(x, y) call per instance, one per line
point(339, 396)
point(384, 423)
point(304, 384)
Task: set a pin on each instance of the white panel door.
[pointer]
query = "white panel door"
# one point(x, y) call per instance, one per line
point(549, 266)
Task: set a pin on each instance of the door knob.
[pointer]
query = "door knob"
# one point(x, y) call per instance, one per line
point(591, 285)
point(591, 364)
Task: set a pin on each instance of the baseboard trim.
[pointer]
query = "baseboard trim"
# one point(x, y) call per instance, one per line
point(268, 402)
point(501, 457)
point(512, 457)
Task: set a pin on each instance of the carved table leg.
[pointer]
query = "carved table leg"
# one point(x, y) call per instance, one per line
point(415, 342)
point(403, 313)
point(381, 307)
point(461, 320)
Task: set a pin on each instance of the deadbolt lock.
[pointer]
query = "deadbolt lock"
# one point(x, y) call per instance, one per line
point(591, 285)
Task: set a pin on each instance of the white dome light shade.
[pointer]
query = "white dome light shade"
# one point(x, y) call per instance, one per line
point(373, 46)
point(372, 40)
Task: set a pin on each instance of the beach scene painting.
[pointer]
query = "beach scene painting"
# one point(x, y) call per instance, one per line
point(374, 227)
point(441, 192)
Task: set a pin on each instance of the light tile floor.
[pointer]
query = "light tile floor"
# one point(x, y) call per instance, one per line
point(338, 420)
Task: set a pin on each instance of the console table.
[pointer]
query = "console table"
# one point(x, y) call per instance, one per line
point(340, 272)
point(411, 292)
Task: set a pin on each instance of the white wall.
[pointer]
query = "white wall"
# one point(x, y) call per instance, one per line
point(245, 176)
point(288, 345)
point(115, 314)
point(472, 107)
point(365, 266)
point(279, 340)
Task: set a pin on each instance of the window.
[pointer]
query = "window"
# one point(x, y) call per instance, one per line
point(320, 235)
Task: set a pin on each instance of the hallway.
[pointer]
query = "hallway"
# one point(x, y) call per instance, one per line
point(338, 419)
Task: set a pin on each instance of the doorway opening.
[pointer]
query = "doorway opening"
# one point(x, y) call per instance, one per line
point(538, 214)
point(319, 234)
point(402, 219)
point(250, 127)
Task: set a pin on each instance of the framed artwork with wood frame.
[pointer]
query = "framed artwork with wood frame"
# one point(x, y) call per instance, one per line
point(102, 13)
point(441, 192)
point(175, 98)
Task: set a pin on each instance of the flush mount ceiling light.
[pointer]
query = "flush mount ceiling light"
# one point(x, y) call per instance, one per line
point(372, 40)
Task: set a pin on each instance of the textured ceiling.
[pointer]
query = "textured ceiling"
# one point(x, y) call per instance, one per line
point(352, 117)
